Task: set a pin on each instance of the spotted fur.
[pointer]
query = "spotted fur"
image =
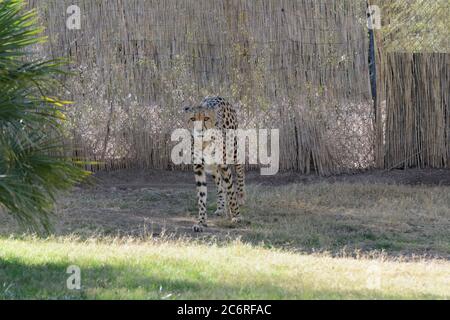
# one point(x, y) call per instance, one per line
point(216, 112)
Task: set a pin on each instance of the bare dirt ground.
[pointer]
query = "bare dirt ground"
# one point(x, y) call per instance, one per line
point(434, 177)
point(400, 212)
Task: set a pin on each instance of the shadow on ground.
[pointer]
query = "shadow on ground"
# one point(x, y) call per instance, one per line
point(402, 213)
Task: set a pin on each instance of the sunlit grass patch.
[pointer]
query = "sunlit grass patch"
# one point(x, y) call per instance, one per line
point(166, 269)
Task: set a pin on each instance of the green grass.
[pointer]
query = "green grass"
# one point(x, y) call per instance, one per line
point(32, 268)
point(298, 241)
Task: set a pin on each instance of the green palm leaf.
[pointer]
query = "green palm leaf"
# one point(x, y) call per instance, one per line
point(33, 162)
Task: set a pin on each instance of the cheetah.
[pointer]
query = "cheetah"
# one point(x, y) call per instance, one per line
point(217, 113)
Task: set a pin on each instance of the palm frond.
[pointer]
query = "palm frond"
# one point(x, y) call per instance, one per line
point(33, 162)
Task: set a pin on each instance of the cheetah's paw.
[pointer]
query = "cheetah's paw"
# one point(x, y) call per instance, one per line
point(236, 220)
point(198, 227)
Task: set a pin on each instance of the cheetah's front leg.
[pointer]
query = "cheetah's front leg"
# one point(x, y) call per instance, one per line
point(200, 179)
point(217, 176)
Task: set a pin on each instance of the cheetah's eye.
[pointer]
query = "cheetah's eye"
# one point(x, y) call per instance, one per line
point(193, 119)
point(206, 119)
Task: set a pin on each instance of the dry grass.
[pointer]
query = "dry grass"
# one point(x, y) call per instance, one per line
point(339, 217)
point(324, 216)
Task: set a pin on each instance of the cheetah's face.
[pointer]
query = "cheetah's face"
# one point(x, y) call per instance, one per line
point(207, 118)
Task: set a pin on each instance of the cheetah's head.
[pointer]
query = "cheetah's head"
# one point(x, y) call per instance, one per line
point(200, 114)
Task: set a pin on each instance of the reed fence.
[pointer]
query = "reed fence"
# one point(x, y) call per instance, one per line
point(300, 66)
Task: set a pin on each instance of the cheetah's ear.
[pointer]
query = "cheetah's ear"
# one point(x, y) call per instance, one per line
point(187, 108)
